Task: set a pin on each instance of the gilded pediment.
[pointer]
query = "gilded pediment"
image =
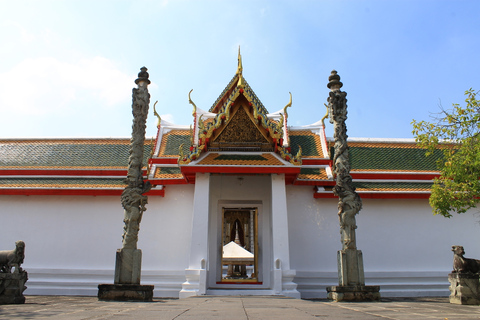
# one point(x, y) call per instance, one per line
point(238, 121)
point(241, 132)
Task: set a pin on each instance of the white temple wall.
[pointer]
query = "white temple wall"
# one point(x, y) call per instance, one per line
point(63, 232)
point(71, 240)
point(406, 250)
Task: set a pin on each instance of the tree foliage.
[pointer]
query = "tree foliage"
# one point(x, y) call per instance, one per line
point(457, 133)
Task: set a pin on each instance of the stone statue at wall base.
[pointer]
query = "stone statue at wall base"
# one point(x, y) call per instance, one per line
point(12, 284)
point(464, 279)
point(464, 288)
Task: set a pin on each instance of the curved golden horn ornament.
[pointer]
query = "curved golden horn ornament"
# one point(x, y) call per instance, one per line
point(325, 116)
point(180, 153)
point(191, 135)
point(201, 126)
point(289, 104)
point(155, 113)
point(152, 151)
point(192, 103)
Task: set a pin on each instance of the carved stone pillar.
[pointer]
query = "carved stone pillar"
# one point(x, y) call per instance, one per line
point(129, 258)
point(350, 260)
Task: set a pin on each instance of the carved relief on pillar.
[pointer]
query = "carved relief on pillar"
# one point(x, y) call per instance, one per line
point(349, 203)
point(133, 200)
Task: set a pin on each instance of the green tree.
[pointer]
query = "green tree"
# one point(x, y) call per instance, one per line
point(457, 133)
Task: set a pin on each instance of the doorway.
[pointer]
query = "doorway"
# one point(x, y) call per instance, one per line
point(239, 259)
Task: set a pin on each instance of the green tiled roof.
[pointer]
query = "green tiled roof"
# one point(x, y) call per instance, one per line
point(169, 170)
point(409, 159)
point(392, 186)
point(62, 182)
point(306, 142)
point(247, 89)
point(256, 101)
point(66, 154)
point(174, 141)
point(311, 171)
point(228, 87)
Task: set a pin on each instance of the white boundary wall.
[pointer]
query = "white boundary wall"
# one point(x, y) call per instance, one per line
point(406, 250)
point(71, 242)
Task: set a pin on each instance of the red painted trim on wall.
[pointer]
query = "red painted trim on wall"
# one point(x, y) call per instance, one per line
point(72, 192)
point(317, 162)
point(378, 195)
point(394, 176)
point(168, 181)
point(246, 169)
point(291, 173)
point(327, 183)
point(164, 160)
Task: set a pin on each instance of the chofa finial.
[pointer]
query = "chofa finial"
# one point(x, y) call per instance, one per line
point(334, 81)
point(142, 76)
point(240, 66)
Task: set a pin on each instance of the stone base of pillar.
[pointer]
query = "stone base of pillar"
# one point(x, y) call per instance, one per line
point(12, 286)
point(125, 292)
point(128, 266)
point(126, 287)
point(353, 293)
point(350, 268)
point(464, 288)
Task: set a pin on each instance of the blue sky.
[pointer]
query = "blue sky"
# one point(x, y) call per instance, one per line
point(67, 67)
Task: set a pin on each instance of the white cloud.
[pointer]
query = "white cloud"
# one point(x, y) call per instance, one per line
point(25, 36)
point(43, 85)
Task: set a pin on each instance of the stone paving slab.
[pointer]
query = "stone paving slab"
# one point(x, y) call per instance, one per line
point(233, 308)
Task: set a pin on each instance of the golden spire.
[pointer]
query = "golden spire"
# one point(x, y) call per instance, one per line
point(240, 82)
point(240, 67)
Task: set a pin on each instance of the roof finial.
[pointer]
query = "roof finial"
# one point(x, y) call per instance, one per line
point(334, 83)
point(142, 77)
point(240, 67)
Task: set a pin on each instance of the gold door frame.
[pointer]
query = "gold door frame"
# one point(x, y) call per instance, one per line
point(255, 246)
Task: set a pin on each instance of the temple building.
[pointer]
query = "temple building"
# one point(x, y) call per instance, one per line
point(242, 203)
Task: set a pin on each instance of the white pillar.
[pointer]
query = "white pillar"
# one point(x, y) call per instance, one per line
point(282, 274)
point(196, 274)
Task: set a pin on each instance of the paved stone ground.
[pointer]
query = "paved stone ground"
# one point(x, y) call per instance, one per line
point(232, 308)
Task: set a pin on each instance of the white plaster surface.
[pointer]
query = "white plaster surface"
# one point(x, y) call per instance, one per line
point(71, 240)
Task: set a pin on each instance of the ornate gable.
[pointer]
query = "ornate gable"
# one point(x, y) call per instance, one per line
point(237, 121)
point(241, 133)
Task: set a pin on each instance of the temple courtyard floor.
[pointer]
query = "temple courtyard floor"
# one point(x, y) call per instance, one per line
point(235, 307)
